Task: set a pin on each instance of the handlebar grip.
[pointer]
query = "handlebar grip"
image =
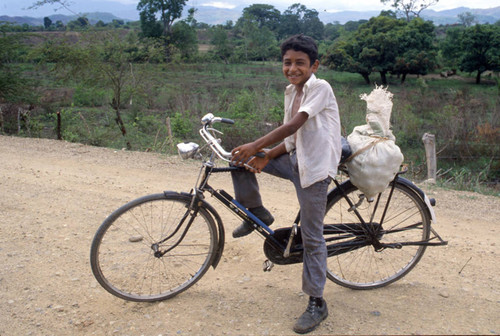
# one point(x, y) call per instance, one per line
point(226, 121)
point(260, 154)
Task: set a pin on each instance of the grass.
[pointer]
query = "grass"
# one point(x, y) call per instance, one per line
point(465, 117)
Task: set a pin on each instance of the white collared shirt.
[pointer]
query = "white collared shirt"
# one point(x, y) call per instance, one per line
point(317, 142)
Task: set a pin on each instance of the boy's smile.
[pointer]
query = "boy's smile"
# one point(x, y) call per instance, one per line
point(297, 67)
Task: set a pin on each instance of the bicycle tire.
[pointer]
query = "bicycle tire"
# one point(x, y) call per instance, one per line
point(362, 267)
point(122, 258)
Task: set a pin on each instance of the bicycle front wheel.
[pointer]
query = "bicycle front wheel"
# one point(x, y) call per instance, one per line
point(126, 251)
point(357, 264)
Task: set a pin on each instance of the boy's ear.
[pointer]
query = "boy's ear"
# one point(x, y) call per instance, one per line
point(315, 65)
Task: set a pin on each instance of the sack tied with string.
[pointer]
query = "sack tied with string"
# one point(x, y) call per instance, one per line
point(376, 158)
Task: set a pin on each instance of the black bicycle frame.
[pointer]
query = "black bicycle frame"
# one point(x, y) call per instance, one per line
point(362, 235)
point(226, 199)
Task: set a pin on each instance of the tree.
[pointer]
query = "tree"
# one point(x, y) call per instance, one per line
point(255, 31)
point(117, 23)
point(149, 26)
point(417, 50)
point(332, 31)
point(377, 45)
point(352, 26)
point(450, 47)
point(263, 15)
point(480, 49)
point(169, 11)
point(190, 20)
point(100, 24)
point(475, 48)
point(389, 13)
point(223, 48)
point(410, 8)
point(467, 19)
point(13, 87)
point(386, 45)
point(297, 19)
point(99, 59)
point(343, 56)
point(47, 22)
point(257, 43)
point(59, 25)
point(81, 23)
point(184, 38)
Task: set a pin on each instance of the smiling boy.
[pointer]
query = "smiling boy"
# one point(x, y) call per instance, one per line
point(308, 156)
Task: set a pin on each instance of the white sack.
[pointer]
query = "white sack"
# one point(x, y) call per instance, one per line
point(376, 158)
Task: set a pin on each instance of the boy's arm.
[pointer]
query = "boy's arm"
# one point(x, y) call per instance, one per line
point(242, 153)
point(256, 163)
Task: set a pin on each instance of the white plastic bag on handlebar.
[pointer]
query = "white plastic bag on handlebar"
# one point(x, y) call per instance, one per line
point(376, 158)
point(187, 150)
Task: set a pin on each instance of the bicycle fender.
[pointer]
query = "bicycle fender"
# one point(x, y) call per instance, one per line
point(335, 191)
point(220, 229)
point(422, 195)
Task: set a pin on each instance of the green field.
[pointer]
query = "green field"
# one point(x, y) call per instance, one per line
point(463, 116)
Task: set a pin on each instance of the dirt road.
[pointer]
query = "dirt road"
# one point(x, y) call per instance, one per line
point(54, 195)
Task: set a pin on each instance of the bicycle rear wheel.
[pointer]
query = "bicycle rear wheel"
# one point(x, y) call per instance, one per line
point(122, 257)
point(360, 265)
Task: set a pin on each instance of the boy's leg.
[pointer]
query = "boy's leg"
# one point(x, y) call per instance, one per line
point(312, 202)
point(246, 189)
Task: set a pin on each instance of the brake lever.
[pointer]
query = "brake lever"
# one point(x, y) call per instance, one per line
point(214, 130)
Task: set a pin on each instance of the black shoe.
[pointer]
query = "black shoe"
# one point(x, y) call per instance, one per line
point(246, 228)
point(312, 317)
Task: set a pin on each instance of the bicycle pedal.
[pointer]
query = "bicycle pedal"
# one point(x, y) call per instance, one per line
point(267, 266)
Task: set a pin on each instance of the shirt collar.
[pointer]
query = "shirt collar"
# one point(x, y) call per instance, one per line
point(291, 88)
point(309, 82)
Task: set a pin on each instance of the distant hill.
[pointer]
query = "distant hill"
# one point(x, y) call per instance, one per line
point(490, 15)
point(450, 16)
point(214, 15)
point(92, 17)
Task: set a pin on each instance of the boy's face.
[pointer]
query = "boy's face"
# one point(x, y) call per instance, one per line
point(297, 67)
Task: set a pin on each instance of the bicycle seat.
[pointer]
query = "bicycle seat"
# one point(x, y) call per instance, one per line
point(346, 150)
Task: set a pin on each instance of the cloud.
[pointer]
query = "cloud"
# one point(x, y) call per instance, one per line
point(219, 4)
point(124, 2)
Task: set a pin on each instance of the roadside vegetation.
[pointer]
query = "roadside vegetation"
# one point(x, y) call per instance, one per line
point(145, 85)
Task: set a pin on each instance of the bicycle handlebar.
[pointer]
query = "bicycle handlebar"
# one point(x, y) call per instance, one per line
point(214, 143)
point(227, 121)
point(209, 119)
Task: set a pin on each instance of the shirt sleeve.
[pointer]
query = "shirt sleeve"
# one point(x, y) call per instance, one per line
point(316, 98)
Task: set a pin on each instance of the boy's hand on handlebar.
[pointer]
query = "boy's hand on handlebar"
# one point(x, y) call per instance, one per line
point(242, 153)
point(256, 164)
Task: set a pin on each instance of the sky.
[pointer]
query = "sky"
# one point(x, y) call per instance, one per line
point(19, 7)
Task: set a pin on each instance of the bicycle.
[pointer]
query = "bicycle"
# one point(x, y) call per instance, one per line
point(159, 245)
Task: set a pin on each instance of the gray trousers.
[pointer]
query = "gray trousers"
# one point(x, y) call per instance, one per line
point(312, 201)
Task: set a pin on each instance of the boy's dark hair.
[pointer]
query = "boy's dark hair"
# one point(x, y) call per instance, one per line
point(302, 43)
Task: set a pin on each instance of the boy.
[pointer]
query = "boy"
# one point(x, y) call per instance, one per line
point(308, 156)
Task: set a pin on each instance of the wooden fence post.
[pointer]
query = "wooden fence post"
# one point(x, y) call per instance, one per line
point(1, 121)
point(430, 154)
point(58, 126)
point(19, 110)
point(169, 130)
